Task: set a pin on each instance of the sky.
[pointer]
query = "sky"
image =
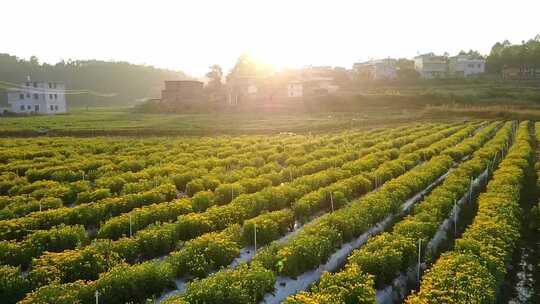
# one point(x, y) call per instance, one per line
point(192, 35)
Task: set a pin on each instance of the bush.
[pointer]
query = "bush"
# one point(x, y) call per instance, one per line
point(13, 286)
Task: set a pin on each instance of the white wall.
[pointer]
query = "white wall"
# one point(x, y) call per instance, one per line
point(49, 100)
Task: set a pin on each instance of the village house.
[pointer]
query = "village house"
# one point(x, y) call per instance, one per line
point(382, 69)
point(289, 84)
point(464, 65)
point(36, 97)
point(520, 73)
point(431, 66)
point(181, 92)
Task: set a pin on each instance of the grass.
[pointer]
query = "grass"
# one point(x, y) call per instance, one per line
point(123, 121)
point(376, 106)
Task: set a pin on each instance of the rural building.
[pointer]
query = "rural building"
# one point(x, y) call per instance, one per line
point(39, 97)
point(182, 92)
point(295, 89)
point(465, 65)
point(319, 86)
point(431, 66)
point(382, 69)
point(242, 88)
point(520, 73)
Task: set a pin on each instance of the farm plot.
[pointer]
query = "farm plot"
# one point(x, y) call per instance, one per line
point(236, 218)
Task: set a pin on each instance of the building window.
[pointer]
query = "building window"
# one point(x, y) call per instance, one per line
point(36, 108)
point(21, 96)
point(28, 107)
point(35, 84)
point(28, 84)
point(28, 95)
point(50, 96)
point(479, 65)
point(22, 107)
point(54, 85)
point(50, 85)
point(55, 96)
point(36, 96)
point(56, 108)
point(52, 108)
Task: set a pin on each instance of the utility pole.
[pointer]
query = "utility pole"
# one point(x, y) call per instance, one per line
point(419, 258)
point(255, 237)
point(455, 219)
point(470, 190)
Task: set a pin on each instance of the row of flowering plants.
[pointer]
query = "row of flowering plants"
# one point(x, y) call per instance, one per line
point(261, 258)
point(315, 236)
point(198, 260)
point(87, 214)
point(384, 256)
point(195, 258)
point(118, 226)
point(102, 255)
point(534, 222)
point(474, 270)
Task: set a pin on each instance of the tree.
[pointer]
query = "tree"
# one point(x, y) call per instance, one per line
point(247, 66)
point(215, 75)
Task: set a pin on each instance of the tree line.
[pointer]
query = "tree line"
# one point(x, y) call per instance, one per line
point(526, 54)
point(125, 81)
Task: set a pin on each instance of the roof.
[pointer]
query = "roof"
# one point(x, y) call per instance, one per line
point(42, 81)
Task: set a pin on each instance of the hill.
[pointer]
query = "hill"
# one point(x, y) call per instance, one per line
point(127, 81)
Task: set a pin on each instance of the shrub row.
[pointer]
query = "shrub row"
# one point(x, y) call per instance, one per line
point(265, 257)
point(306, 249)
point(140, 243)
point(87, 215)
point(319, 239)
point(486, 246)
point(119, 226)
point(56, 239)
point(208, 263)
point(385, 255)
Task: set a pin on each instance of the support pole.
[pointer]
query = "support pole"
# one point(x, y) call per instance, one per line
point(255, 237)
point(419, 258)
point(455, 218)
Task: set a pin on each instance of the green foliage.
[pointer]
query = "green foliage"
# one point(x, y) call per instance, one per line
point(478, 263)
point(349, 286)
point(242, 285)
point(12, 285)
point(128, 81)
point(206, 253)
point(270, 226)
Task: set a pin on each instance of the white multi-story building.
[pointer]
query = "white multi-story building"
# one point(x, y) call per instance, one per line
point(383, 69)
point(431, 66)
point(39, 97)
point(464, 65)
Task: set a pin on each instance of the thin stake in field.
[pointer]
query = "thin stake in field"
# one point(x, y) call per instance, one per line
point(255, 237)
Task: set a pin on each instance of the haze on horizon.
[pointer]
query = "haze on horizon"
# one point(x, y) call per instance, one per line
point(192, 35)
